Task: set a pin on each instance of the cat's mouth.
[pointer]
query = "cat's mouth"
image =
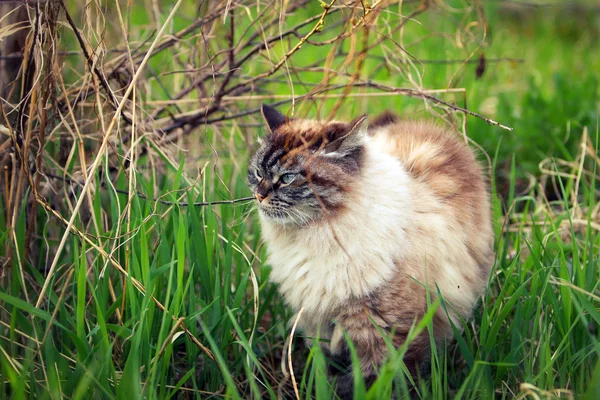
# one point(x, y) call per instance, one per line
point(282, 216)
point(272, 213)
point(287, 217)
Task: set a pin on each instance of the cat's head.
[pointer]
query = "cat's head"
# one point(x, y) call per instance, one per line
point(304, 169)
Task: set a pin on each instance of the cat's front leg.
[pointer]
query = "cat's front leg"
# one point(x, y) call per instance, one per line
point(370, 348)
point(365, 331)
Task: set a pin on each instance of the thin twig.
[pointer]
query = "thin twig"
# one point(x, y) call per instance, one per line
point(401, 91)
point(155, 200)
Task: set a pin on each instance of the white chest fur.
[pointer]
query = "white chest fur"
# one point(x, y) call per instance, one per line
point(319, 267)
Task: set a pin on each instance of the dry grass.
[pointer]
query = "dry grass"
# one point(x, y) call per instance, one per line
point(108, 104)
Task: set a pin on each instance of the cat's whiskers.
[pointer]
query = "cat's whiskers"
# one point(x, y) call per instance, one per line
point(246, 214)
point(304, 219)
point(291, 213)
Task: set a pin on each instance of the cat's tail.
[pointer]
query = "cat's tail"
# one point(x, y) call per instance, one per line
point(383, 119)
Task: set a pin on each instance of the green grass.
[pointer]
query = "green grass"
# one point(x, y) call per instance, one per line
point(535, 332)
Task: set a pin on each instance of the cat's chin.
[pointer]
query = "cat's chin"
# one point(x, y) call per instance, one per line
point(274, 216)
point(279, 217)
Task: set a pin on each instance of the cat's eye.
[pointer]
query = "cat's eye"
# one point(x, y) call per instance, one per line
point(258, 175)
point(288, 178)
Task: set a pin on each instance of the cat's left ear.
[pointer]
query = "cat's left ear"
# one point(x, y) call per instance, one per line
point(351, 139)
point(272, 117)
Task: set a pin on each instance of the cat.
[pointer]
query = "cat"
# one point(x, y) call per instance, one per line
point(359, 218)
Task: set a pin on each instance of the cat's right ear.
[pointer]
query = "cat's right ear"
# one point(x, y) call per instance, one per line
point(272, 117)
point(350, 139)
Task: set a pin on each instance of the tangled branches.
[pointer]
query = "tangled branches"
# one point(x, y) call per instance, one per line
point(93, 98)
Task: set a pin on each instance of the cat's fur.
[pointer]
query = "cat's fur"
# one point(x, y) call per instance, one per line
point(373, 215)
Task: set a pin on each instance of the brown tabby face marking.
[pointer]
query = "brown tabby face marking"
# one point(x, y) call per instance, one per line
point(304, 169)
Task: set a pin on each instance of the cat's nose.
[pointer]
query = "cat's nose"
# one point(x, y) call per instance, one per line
point(262, 191)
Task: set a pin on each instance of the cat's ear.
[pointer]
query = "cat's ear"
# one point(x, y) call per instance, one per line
point(351, 139)
point(272, 117)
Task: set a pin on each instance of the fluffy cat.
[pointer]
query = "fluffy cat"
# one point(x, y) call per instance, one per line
point(358, 218)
